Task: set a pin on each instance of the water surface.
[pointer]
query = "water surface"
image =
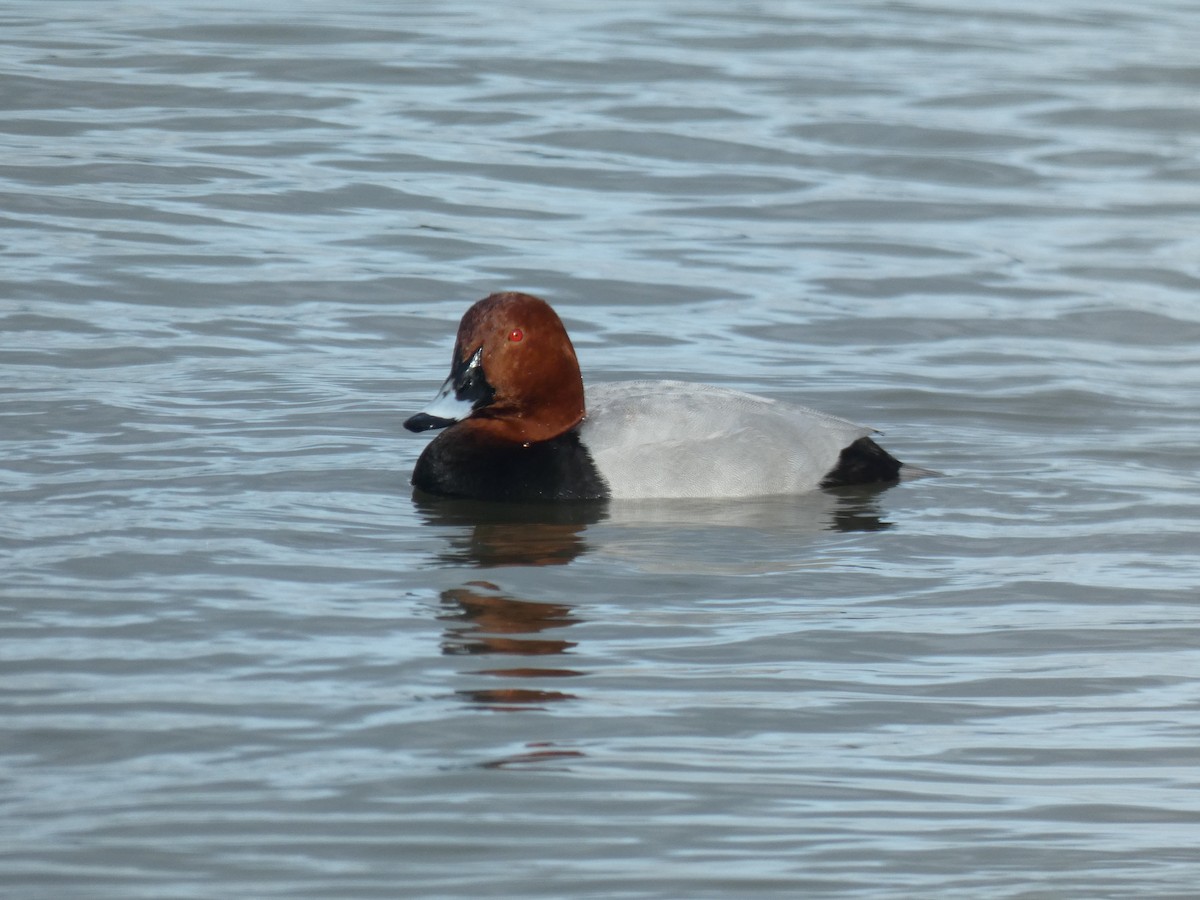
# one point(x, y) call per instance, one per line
point(240, 660)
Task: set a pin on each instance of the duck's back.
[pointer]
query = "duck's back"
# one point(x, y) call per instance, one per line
point(675, 439)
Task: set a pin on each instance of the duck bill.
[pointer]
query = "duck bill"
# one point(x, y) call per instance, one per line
point(465, 391)
point(445, 409)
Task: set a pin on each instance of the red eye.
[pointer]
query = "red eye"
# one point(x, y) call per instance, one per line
point(515, 335)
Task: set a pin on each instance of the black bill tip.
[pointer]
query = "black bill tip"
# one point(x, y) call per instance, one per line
point(425, 422)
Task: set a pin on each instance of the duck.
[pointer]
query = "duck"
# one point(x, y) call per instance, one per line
point(517, 425)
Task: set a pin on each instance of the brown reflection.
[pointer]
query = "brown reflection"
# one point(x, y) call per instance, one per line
point(512, 699)
point(481, 621)
point(537, 754)
point(511, 534)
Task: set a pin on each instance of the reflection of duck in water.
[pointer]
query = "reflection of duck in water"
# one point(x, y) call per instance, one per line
point(508, 534)
point(689, 535)
point(517, 428)
point(481, 622)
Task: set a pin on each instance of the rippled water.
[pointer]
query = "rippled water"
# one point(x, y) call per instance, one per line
point(239, 660)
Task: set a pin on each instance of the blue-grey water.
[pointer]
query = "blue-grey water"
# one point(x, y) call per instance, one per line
point(240, 661)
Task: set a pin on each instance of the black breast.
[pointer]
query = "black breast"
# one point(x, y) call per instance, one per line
point(557, 469)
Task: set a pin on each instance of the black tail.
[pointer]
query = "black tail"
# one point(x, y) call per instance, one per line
point(863, 462)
